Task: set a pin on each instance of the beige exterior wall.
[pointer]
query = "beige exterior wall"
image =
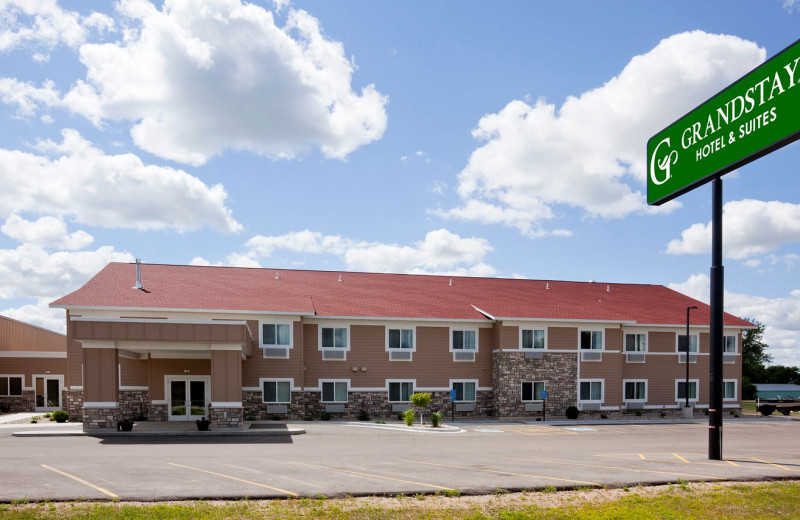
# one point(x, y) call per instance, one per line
point(133, 372)
point(256, 366)
point(160, 332)
point(100, 365)
point(159, 368)
point(226, 376)
point(16, 336)
point(28, 367)
point(562, 338)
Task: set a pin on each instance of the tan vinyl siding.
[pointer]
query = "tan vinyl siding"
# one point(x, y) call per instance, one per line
point(661, 342)
point(257, 366)
point(74, 358)
point(508, 337)
point(17, 336)
point(613, 339)
point(101, 371)
point(661, 372)
point(562, 338)
point(27, 367)
point(226, 381)
point(162, 332)
point(133, 372)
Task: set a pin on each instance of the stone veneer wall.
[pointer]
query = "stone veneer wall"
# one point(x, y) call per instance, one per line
point(226, 417)
point(20, 403)
point(133, 403)
point(96, 418)
point(157, 412)
point(72, 402)
point(558, 371)
point(376, 404)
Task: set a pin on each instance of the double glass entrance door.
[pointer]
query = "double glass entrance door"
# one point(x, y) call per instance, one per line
point(48, 393)
point(188, 399)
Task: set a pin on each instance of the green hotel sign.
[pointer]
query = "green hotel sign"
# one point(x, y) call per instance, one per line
point(752, 117)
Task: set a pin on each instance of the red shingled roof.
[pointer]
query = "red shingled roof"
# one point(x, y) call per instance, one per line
point(374, 295)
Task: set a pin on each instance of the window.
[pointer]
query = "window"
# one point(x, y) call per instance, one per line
point(532, 390)
point(333, 337)
point(591, 390)
point(591, 340)
point(401, 339)
point(465, 390)
point(533, 338)
point(400, 391)
point(464, 340)
point(635, 342)
point(276, 335)
point(681, 390)
point(334, 391)
point(682, 343)
point(635, 390)
point(729, 344)
point(277, 391)
point(729, 389)
point(10, 385)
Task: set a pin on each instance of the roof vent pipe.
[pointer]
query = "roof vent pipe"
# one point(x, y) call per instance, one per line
point(138, 274)
point(608, 288)
point(277, 275)
point(547, 286)
point(340, 277)
point(451, 282)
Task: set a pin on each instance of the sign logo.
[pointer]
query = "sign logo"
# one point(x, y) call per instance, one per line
point(663, 164)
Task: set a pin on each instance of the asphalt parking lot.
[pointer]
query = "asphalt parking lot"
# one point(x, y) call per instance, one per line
point(337, 459)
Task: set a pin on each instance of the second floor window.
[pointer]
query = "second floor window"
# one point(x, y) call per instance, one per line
point(275, 335)
point(635, 342)
point(401, 338)
point(591, 340)
point(463, 340)
point(334, 337)
point(533, 338)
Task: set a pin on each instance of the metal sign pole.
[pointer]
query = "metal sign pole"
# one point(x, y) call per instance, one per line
point(717, 305)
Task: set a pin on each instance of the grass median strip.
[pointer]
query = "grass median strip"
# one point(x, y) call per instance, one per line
point(370, 475)
point(585, 465)
point(502, 472)
point(259, 484)
point(84, 482)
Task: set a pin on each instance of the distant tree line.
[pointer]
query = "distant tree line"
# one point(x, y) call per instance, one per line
point(754, 364)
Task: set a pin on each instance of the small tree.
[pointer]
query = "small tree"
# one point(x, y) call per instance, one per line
point(420, 400)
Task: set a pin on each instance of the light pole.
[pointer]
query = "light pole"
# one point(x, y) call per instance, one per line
point(686, 388)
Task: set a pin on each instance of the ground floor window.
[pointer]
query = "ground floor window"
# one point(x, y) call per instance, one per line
point(334, 391)
point(277, 391)
point(532, 390)
point(635, 390)
point(10, 385)
point(591, 391)
point(465, 390)
point(400, 391)
point(681, 390)
point(729, 389)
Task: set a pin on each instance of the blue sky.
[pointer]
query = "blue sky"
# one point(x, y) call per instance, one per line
point(487, 139)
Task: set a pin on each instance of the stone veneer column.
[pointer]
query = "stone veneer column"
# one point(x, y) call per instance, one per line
point(226, 416)
point(559, 371)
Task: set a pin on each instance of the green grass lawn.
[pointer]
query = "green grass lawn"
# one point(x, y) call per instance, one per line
point(679, 501)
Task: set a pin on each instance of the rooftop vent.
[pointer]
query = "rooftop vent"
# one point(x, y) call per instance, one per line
point(138, 274)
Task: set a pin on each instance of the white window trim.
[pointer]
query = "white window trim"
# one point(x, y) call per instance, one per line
point(532, 349)
point(691, 399)
point(602, 390)
point(413, 330)
point(646, 390)
point(22, 385)
point(263, 380)
point(261, 324)
point(389, 381)
point(333, 326)
point(474, 381)
point(735, 389)
point(735, 343)
point(533, 390)
point(635, 333)
point(465, 329)
point(678, 343)
point(602, 340)
point(346, 381)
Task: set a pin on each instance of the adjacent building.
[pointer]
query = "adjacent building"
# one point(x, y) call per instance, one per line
point(172, 342)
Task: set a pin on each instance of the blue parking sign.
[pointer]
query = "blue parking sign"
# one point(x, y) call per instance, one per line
point(453, 394)
point(544, 394)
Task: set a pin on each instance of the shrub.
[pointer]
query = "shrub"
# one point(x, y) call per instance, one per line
point(60, 416)
point(308, 418)
point(408, 417)
point(363, 415)
point(436, 419)
point(420, 400)
point(325, 416)
point(638, 413)
point(572, 412)
point(766, 409)
point(401, 416)
point(5, 408)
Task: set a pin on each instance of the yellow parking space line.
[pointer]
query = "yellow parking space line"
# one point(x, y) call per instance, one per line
point(731, 463)
point(258, 484)
point(535, 430)
point(641, 455)
point(682, 474)
point(680, 458)
point(497, 472)
point(370, 475)
point(773, 464)
point(85, 483)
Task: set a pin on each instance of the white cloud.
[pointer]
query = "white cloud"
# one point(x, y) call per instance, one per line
point(47, 232)
point(781, 316)
point(30, 271)
point(43, 23)
point(73, 178)
point(440, 252)
point(39, 314)
point(232, 260)
point(749, 228)
point(28, 97)
point(589, 153)
point(196, 81)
